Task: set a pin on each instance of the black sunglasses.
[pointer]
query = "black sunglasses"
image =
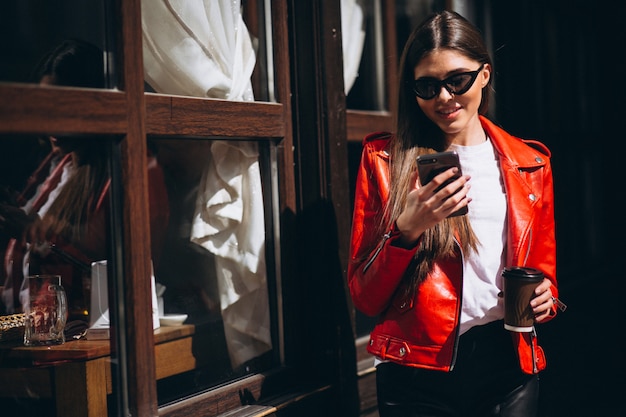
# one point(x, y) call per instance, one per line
point(427, 88)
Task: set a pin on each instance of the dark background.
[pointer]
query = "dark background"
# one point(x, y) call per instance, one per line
point(560, 69)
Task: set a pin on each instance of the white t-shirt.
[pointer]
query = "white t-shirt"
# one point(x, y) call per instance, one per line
point(487, 214)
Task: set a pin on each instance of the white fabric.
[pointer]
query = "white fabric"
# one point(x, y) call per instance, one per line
point(198, 48)
point(352, 40)
point(487, 214)
point(202, 48)
point(229, 222)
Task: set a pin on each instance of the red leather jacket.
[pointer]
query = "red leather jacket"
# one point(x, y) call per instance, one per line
point(421, 329)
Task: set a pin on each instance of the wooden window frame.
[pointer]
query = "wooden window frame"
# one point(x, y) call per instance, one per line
point(362, 122)
point(132, 115)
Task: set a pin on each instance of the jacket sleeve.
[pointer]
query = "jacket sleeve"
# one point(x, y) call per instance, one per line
point(549, 235)
point(376, 265)
point(543, 256)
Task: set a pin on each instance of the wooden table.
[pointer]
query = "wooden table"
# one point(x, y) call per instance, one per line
point(77, 374)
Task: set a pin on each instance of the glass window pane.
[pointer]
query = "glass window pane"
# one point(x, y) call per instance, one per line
point(55, 209)
point(211, 49)
point(59, 191)
point(411, 13)
point(52, 224)
point(367, 91)
point(368, 88)
point(214, 276)
point(33, 28)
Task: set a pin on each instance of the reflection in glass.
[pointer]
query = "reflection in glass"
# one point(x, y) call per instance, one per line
point(55, 220)
point(215, 272)
point(352, 40)
point(215, 268)
point(409, 14)
point(200, 49)
point(32, 28)
point(55, 212)
point(368, 90)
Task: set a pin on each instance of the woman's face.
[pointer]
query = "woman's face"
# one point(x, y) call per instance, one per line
point(455, 114)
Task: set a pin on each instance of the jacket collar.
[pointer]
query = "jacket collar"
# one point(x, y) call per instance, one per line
point(516, 152)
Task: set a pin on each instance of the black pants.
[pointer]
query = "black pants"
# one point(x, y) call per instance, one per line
point(485, 382)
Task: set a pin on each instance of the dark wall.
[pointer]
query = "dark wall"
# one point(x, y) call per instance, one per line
point(559, 79)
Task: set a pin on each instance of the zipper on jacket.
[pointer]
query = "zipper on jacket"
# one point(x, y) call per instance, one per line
point(533, 336)
point(386, 237)
point(559, 304)
point(457, 337)
point(530, 239)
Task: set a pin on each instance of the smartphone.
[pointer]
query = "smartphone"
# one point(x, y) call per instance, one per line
point(429, 166)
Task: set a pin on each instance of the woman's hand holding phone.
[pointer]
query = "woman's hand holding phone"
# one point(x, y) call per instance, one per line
point(443, 194)
point(449, 192)
point(431, 165)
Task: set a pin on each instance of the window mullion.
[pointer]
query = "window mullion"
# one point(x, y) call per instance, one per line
point(136, 334)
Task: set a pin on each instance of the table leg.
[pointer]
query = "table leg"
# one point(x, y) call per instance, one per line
point(81, 388)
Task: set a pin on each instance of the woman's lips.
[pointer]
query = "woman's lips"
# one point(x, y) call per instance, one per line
point(448, 112)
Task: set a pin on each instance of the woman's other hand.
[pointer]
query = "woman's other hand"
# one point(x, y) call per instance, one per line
point(543, 302)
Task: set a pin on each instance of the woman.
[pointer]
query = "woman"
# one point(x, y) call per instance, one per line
point(60, 222)
point(433, 280)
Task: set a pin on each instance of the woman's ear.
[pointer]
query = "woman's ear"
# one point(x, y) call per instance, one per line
point(485, 75)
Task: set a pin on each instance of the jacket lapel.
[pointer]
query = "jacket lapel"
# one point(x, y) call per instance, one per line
point(520, 164)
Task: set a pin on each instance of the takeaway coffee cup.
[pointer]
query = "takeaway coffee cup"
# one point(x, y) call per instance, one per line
point(46, 310)
point(519, 285)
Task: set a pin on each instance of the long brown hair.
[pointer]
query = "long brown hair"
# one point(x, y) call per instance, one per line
point(69, 214)
point(416, 134)
point(76, 63)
